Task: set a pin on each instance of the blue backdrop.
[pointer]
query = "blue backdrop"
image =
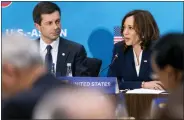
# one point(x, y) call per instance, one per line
point(92, 23)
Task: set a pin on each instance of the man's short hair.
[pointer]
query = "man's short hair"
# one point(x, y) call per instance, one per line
point(44, 7)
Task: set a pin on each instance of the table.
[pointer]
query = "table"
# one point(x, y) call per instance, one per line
point(138, 105)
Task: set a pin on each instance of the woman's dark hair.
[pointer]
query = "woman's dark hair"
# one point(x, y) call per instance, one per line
point(145, 26)
point(169, 50)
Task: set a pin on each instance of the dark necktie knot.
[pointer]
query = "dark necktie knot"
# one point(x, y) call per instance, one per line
point(49, 47)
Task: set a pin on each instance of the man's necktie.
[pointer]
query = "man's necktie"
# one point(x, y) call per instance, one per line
point(48, 58)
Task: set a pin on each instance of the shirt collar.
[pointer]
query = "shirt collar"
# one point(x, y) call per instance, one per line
point(54, 45)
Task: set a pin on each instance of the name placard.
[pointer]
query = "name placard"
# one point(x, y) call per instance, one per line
point(107, 84)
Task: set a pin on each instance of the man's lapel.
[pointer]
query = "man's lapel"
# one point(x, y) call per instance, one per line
point(62, 56)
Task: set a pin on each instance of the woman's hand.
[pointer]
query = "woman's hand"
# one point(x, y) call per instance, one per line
point(157, 85)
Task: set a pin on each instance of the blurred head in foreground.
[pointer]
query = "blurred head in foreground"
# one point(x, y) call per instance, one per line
point(168, 64)
point(168, 60)
point(75, 103)
point(21, 64)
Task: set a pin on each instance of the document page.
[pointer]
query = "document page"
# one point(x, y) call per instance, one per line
point(145, 91)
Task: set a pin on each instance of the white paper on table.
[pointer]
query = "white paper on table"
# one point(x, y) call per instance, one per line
point(144, 91)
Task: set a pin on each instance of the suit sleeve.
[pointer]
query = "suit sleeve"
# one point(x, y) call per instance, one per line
point(81, 69)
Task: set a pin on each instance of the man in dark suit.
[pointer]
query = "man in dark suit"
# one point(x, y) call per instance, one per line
point(46, 16)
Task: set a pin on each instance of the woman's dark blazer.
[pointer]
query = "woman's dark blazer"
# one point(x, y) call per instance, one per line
point(123, 67)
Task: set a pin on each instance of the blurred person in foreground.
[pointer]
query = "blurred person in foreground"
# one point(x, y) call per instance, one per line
point(75, 103)
point(168, 65)
point(24, 77)
point(168, 60)
point(132, 67)
point(21, 64)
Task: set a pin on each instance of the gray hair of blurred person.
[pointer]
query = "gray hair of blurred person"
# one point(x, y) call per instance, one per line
point(19, 53)
point(74, 103)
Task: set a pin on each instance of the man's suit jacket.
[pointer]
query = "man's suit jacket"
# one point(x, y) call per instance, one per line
point(22, 105)
point(124, 67)
point(74, 54)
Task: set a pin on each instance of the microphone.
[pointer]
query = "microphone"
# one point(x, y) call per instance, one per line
point(115, 57)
